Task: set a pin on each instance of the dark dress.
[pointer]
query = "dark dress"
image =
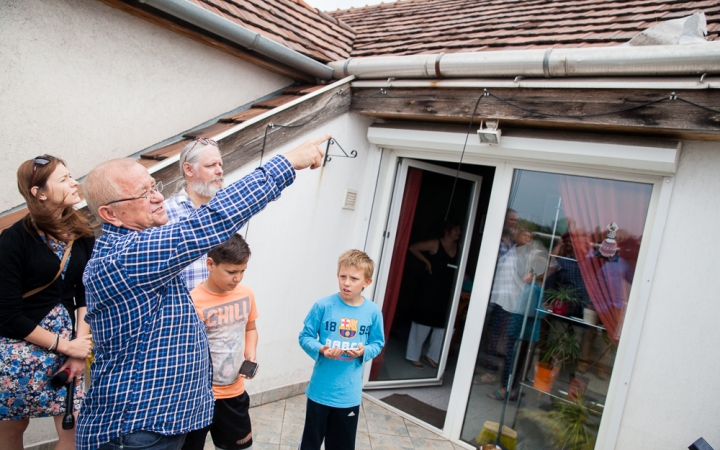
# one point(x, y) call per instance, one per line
point(435, 290)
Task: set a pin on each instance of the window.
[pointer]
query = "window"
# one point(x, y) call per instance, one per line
point(565, 265)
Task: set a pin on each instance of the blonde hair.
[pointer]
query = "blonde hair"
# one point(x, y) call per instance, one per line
point(359, 260)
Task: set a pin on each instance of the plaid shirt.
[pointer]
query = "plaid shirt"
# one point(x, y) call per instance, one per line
point(179, 207)
point(152, 359)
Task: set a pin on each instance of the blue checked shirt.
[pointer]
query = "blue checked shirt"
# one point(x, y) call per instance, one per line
point(152, 367)
point(179, 207)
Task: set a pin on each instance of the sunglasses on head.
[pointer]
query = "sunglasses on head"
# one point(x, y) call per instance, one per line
point(43, 160)
point(203, 141)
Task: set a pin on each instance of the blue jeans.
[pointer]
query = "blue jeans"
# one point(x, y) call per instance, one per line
point(145, 440)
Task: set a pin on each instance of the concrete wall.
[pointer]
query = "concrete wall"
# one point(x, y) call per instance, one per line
point(296, 242)
point(674, 395)
point(88, 83)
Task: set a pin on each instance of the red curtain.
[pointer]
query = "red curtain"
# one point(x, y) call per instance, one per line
point(591, 204)
point(397, 266)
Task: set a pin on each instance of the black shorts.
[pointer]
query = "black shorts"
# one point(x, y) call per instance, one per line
point(337, 426)
point(230, 428)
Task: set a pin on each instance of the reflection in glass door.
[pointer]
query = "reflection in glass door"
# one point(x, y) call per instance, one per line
point(421, 276)
point(565, 264)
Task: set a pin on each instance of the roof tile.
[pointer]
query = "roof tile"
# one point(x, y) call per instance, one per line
point(165, 152)
point(289, 22)
point(275, 101)
point(244, 115)
point(423, 26)
point(211, 130)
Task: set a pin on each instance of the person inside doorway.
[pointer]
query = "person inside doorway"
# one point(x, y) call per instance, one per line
point(434, 294)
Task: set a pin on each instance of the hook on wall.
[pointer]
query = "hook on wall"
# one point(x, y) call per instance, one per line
point(328, 156)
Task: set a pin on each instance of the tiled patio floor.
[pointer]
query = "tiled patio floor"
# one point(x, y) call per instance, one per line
point(278, 426)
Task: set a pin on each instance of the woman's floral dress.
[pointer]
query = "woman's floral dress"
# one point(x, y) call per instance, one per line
point(26, 369)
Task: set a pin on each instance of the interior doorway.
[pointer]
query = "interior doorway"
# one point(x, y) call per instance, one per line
point(416, 370)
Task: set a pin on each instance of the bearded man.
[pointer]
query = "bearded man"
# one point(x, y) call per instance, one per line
point(201, 166)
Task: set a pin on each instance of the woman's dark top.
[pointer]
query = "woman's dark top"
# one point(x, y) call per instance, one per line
point(435, 290)
point(27, 263)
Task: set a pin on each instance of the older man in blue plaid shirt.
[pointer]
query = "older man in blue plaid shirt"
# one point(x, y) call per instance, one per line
point(201, 167)
point(151, 379)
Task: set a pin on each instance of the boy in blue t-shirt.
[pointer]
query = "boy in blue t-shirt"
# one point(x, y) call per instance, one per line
point(341, 332)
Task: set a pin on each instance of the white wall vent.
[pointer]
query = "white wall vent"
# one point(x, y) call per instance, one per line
point(350, 199)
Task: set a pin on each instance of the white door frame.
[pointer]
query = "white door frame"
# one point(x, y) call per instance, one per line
point(640, 290)
point(386, 259)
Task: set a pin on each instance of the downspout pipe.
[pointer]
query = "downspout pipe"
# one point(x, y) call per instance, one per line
point(656, 60)
point(200, 17)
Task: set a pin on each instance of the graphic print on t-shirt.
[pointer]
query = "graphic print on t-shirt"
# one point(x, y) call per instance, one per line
point(225, 324)
point(350, 335)
point(348, 328)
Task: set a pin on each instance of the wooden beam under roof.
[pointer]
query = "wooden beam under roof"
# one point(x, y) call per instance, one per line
point(674, 118)
point(244, 146)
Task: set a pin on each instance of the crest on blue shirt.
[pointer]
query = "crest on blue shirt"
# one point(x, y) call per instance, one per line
point(348, 328)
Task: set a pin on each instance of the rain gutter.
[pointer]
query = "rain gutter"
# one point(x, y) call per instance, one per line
point(656, 60)
point(201, 17)
point(667, 83)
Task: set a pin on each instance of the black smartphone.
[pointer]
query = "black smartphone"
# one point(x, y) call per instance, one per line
point(248, 368)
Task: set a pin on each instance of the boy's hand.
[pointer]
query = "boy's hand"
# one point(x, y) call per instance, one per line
point(252, 358)
point(356, 352)
point(328, 352)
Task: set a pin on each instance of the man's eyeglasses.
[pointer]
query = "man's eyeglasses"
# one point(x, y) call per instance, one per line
point(203, 141)
point(43, 160)
point(151, 193)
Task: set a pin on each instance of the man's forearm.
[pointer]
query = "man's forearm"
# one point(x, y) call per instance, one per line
point(169, 249)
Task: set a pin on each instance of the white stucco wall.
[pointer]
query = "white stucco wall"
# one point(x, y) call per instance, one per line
point(674, 395)
point(88, 82)
point(296, 242)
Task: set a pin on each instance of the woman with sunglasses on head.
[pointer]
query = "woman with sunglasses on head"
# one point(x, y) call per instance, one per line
point(42, 300)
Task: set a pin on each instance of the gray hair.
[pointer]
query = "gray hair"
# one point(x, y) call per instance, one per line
point(99, 187)
point(191, 154)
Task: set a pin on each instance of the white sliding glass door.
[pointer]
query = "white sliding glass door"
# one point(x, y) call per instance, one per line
point(419, 290)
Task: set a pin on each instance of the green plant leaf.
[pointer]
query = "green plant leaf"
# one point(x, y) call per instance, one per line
point(562, 294)
point(573, 427)
point(561, 345)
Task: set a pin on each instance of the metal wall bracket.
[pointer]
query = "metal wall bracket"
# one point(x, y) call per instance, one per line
point(328, 156)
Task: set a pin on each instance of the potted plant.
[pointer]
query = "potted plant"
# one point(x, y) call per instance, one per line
point(561, 298)
point(568, 425)
point(573, 425)
point(561, 347)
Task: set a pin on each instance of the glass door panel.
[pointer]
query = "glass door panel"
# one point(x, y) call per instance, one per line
point(562, 281)
point(422, 272)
